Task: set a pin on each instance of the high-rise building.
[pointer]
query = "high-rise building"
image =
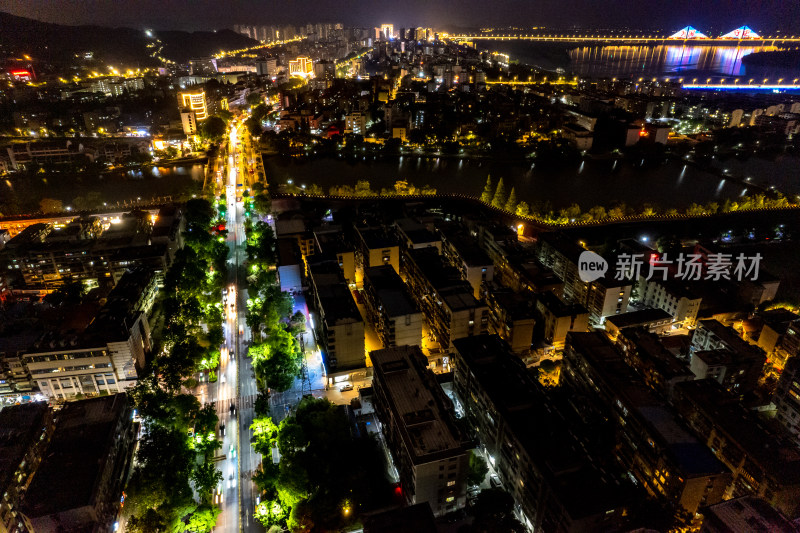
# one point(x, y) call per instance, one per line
point(188, 121)
point(195, 101)
point(355, 123)
point(387, 31)
point(301, 66)
point(203, 65)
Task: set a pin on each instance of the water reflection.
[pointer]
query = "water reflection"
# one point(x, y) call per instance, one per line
point(196, 172)
point(588, 183)
point(618, 61)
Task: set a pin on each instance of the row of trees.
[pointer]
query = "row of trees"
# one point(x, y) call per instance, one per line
point(169, 463)
point(173, 482)
point(326, 477)
point(275, 351)
point(364, 189)
point(496, 197)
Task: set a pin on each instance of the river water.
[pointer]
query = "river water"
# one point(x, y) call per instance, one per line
point(673, 61)
point(587, 183)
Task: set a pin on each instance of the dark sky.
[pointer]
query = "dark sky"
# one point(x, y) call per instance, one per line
point(706, 15)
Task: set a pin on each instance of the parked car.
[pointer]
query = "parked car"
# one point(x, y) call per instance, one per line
point(346, 388)
point(495, 481)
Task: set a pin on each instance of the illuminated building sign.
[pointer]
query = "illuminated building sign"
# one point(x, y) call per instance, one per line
point(196, 102)
point(303, 66)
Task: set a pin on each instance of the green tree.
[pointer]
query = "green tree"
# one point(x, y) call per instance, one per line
point(225, 115)
point(254, 98)
point(499, 198)
point(511, 203)
point(598, 212)
point(487, 195)
point(522, 209)
point(213, 129)
point(316, 446)
point(206, 477)
point(163, 465)
point(203, 519)
point(69, 294)
point(150, 521)
point(277, 361)
point(50, 205)
point(478, 468)
point(494, 513)
point(261, 404)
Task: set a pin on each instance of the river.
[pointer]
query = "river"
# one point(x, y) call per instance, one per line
point(673, 61)
point(587, 183)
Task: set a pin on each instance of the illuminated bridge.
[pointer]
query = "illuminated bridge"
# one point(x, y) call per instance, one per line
point(688, 35)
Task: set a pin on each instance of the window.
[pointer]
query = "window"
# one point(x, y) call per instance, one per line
point(451, 483)
point(450, 499)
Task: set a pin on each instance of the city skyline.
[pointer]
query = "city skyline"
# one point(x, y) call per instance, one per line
point(772, 16)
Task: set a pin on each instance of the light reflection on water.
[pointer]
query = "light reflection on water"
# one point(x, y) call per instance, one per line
point(588, 183)
point(196, 171)
point(620, 61)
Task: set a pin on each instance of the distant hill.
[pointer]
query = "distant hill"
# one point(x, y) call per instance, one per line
point(119, 46)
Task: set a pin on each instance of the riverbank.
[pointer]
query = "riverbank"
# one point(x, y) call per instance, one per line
point(25, 193)
point(587, 182)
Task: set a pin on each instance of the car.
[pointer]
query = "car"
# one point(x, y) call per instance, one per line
point(346, 388)
point(495, 481)
point(223, 378)
point(222, 430)
point(473, 492)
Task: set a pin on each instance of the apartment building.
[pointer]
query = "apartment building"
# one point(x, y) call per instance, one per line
point(390, 308)
point(417, 419)
point(104, 358)
point(540, 462)
point(511, 316)
point(651, 443)
point(604, 297)
point(764, 463)
point(719, 352)
point(446, 300)
point(672, 296)
point(787, 397)
point(92, 449)
point(560, 318)
point(338, 324)
point(47, 256)
point(658, 367)
point(25, 432)
point(376, 247)
point(462, 252)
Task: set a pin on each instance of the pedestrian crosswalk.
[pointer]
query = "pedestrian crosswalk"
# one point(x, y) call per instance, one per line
point(242, 402)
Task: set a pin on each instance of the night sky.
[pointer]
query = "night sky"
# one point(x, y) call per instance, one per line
point(715, 16)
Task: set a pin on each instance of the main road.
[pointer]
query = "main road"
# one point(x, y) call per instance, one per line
point(236, 387)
